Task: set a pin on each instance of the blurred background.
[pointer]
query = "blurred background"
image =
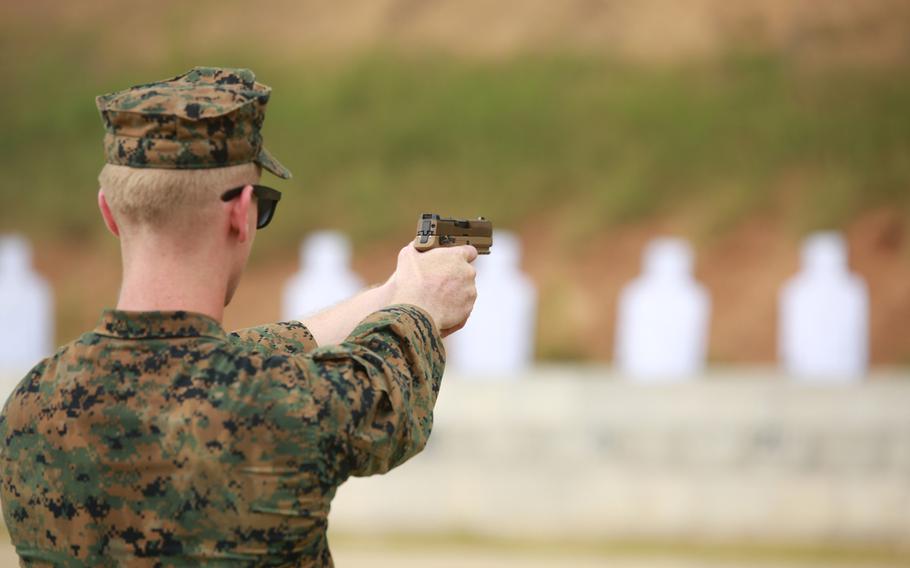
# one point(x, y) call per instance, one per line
point(586, 129)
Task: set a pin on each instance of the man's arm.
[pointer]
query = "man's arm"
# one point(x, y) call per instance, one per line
point(438, 281)
point(372, 392)
point(328, 327)
point(332, 325)
point(429, 280)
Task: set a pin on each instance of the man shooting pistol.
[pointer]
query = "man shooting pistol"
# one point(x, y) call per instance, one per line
point(160, 438)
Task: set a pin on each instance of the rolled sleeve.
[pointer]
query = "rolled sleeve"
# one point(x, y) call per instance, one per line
point(381, 385)
point(284, 338)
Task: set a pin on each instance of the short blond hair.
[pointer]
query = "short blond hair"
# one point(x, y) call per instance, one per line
point(157, 197)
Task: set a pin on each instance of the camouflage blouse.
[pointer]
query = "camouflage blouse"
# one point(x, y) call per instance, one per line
point(160, 440)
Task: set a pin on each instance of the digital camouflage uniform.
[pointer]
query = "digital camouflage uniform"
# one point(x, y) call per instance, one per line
point(160, 440)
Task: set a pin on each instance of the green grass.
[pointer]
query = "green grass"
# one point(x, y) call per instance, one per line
point(373, 141)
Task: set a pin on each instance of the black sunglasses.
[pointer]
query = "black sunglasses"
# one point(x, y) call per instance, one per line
point(266, 202)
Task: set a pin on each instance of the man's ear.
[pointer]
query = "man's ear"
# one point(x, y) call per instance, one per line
point(109, 220)
point(240, 214)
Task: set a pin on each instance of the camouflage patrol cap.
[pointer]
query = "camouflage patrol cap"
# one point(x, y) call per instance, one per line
point(209, 117)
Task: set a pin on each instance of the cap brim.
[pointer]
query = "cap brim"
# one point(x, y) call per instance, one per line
point(268, 161)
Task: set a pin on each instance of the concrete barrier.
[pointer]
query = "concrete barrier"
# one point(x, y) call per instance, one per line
point(573, 453)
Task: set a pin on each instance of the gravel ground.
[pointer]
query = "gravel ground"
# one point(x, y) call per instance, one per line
point(354, 555)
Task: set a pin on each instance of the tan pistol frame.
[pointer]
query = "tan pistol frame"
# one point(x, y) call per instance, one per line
point(435, 231)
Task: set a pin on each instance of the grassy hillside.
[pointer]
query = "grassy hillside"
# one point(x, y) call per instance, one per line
point(374, 140)
point(587, 156)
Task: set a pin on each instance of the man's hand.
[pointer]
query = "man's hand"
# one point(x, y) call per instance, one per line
point(441, 281)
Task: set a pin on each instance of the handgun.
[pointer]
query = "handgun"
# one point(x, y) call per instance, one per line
point(435, 231)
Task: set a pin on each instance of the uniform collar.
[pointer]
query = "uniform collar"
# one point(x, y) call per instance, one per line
point(158, 325)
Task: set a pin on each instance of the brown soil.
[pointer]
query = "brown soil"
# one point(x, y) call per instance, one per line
point(579, 285)
point(647, 30)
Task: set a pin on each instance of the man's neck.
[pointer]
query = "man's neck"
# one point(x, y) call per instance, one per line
point(157, 279)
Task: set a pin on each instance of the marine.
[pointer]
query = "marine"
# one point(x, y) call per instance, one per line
point(158, 438)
